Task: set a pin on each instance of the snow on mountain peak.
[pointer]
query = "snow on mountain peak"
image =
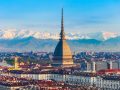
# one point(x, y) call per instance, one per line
point(11, 34)
point(108, 35)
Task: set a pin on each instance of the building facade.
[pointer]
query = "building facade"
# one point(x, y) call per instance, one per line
point(62, 54)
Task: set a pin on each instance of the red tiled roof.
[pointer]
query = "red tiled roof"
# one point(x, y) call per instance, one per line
point(109, 71)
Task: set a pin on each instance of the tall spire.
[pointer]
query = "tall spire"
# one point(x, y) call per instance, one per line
point(62, 34)
point(62, 54)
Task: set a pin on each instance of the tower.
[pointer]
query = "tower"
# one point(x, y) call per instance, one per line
point(93, 66)
point(16, 63)
point(62, 54)
point(110, 65)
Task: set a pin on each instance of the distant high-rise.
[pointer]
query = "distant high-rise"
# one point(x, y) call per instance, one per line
point(62, 53)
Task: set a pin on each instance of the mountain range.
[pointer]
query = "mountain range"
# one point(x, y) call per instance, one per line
point(26, 40)
point(19, 34)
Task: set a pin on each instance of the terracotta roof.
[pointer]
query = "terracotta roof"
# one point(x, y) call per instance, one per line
point(108, 71)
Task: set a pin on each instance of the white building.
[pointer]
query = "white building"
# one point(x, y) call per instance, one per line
point(106, 82)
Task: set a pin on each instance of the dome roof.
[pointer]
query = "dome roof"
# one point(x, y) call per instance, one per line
point(62, 53)
point(62, 50)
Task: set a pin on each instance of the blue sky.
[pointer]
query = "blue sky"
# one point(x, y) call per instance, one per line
point(45, 15)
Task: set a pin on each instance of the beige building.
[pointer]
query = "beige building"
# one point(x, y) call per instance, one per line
point(62, 53)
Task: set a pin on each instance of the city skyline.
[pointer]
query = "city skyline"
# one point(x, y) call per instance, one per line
point(85, 55)
point(80, 15)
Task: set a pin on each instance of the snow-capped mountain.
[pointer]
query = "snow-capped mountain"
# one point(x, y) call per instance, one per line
point(12, 34)
point(26, 40)
point(103, 35)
